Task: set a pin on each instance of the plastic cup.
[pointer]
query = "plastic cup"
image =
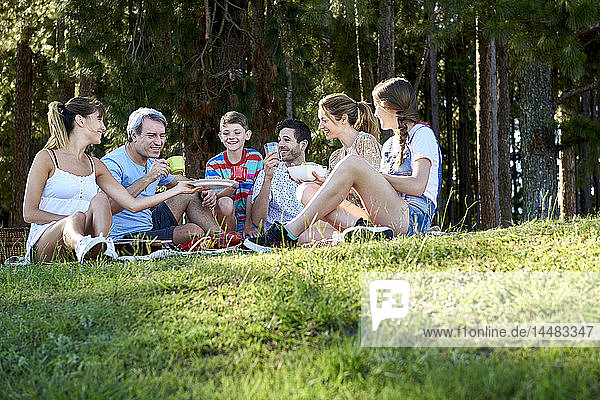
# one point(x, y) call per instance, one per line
point(271, 147)
point(176, 164)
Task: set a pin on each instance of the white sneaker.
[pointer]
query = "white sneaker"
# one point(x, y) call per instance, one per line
point(86, 244)
point(110, 248)
point(362, 232)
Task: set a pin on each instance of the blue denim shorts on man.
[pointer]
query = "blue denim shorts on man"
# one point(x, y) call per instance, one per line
point(420, 214)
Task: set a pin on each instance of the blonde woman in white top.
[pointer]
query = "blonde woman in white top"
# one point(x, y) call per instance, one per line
point(62, 202)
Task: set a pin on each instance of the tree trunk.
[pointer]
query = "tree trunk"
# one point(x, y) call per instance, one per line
point(568, 207)
point(23, 100)
point(196, 136)
point(494, 111)
point(584, 148)
point(538, 148)
point(485, 137)
point(514, 173)
point(504, 134)
point(449, 160)
point(66, 85)
point(386, 63)
point(265, 107)
point(358, 61)
point(596, 116)
point(86, 86)
point(435, 118)
point(583, 173)
point(465, 197)
point(433, 88)
point(289, 105)
point(596, 194)
point(567, 182)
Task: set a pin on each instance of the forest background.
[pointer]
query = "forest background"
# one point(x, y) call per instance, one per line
point(511, 88)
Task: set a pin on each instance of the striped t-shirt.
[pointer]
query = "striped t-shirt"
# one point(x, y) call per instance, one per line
point(220, 167)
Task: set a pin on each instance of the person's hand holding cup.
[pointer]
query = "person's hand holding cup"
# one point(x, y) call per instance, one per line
point(176, 165)
point(271, 159)
point(271, 147)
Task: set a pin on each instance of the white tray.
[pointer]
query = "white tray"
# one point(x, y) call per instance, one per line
point(214, 183)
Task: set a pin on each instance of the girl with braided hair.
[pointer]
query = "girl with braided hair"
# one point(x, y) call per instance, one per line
point(412, 150)
point(62, 202)
point(399, 198)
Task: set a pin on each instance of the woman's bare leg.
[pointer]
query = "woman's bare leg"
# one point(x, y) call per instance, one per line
point(317, 231)
point(98, 216)
point(383, 204)
point(58, 241)
point(344, 216)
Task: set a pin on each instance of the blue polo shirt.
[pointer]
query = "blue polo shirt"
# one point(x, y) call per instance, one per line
point(126, 172)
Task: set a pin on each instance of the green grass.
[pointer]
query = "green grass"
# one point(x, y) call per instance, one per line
point(280, 325)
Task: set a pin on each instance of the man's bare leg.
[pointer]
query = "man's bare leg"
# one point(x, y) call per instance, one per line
point(201, 220)
point(185, 232)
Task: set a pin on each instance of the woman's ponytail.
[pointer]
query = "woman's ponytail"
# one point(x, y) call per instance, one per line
point(366, 121)
point(402, 135)
point(59, 137)
point(359, 113)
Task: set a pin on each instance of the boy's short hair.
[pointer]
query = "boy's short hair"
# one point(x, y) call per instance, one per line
point(234, 117)
point(301, 130)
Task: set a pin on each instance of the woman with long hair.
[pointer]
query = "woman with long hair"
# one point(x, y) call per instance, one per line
point(354, 125)
point(62, 201)
point(399, 198)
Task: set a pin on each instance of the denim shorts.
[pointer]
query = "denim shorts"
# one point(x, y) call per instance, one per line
point(420, 214)
point(163, 225)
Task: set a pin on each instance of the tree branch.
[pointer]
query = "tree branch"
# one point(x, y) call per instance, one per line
point(571, 142)
point(575, 92)
point(591, 31)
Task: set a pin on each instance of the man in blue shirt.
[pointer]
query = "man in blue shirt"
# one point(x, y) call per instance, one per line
point(137, 166)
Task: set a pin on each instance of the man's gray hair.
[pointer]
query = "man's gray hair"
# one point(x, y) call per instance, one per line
point(137, 117)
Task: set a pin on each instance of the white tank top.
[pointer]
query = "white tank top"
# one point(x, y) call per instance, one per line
point(63, 194)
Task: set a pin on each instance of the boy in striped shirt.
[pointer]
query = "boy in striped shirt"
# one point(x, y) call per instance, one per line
point(237, 163)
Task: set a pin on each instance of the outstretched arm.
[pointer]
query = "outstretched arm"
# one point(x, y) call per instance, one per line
point(124, 199)
point(158, 168)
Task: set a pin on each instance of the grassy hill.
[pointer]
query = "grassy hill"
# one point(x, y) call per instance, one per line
point(279, 325)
